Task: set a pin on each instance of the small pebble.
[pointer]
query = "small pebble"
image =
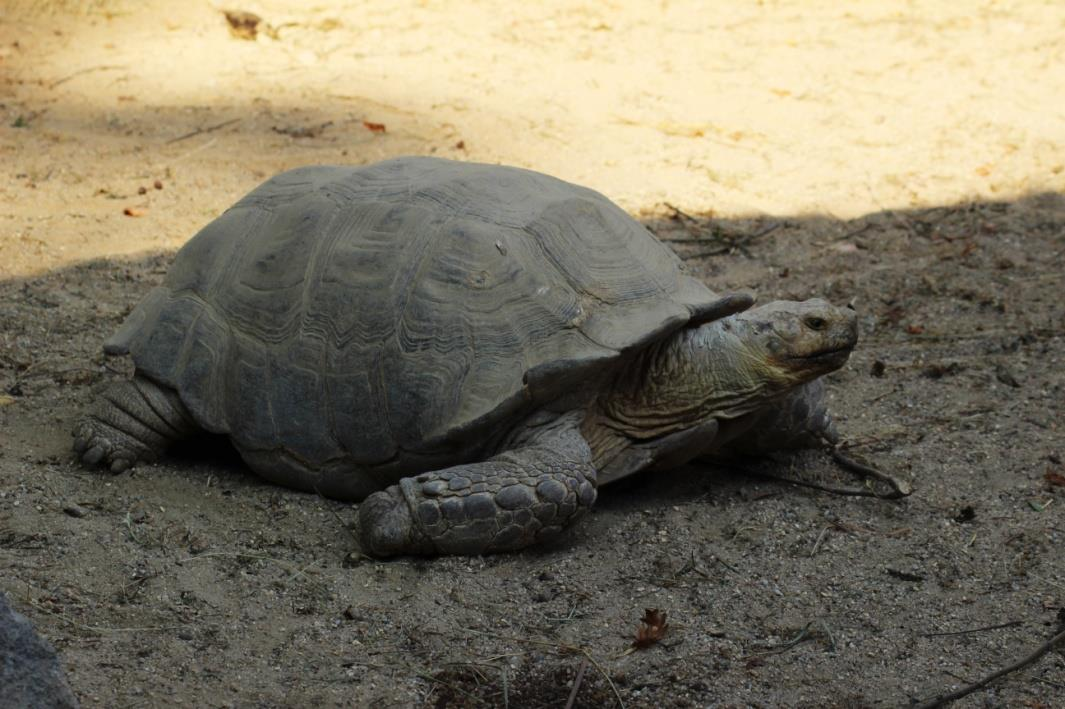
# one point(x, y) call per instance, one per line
point(74, 511)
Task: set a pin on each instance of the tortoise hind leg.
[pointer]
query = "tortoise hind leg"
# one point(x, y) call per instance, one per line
point(131, 421)
point(508, 502)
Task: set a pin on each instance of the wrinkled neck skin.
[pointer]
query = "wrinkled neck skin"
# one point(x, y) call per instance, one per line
point(710, 371)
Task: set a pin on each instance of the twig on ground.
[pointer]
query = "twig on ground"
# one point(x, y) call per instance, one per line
point(764, 232)
point(1011, 624)
point(189, 153)
point(207, 129)
point(854, 232)
point(1044, 680)
point(700, 233)
point(560, 647)
point(847, 492)
point(679, 213)
point(900, 488)
point(256, 557)
point(692, 565)
point(820, 538)
point(696, 232)
point(734, 243)
point(577, 683)
point(706, 254)
point(80, 72)
point(803, 636)
point(1030, 659)
point(453, 687)
point(100, 630)
point(303, 132)
point(724, 563)
point(132, 588)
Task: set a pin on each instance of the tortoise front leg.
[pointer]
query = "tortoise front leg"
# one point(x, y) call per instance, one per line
point(508, 502)
point(131, 421)
point(800, 420)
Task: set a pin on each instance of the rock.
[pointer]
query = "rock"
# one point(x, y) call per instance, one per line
point(30, 674)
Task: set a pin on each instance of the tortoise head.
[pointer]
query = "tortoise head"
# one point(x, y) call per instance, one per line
point(731, 366)
point(790, 343)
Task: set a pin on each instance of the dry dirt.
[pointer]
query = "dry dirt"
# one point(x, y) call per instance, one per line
point(911, 161)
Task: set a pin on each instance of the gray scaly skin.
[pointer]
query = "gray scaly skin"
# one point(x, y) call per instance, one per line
point(745, 382)
point(132, 421)
point(689, 396)
point(515, 499)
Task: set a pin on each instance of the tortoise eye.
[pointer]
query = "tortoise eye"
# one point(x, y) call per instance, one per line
point(815, 323)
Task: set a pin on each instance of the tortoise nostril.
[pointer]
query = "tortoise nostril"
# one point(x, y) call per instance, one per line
point(815, 323)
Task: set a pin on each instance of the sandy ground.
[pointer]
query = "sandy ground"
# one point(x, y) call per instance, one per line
point(910, 159)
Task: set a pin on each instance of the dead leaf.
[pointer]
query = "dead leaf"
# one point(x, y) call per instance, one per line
point(652, 628)
point(915, 329)
point(893, 315)
point(134, 212)
point(6, 400)
point(374, 127)
point(1054, 478)
point(984, 170)
point(242, 25)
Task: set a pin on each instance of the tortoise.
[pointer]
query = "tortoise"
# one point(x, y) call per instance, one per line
point(469, 350)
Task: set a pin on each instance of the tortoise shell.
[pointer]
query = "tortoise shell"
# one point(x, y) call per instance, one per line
point(393, 317)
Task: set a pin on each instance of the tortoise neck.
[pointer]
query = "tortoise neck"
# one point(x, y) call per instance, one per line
point(698, 373)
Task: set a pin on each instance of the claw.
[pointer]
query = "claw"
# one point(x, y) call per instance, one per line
point(94, 455)
point(386, 527)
